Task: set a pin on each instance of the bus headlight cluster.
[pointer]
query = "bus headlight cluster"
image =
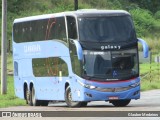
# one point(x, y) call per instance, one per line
point(135, 84)
point(89, 86)
point(86, 85)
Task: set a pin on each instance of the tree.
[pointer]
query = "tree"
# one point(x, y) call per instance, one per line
point(152, 5)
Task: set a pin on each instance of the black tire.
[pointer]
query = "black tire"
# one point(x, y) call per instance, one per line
point(44, 103)
point(120, 103)
point(34, 101)
point(28, 97)
point(68, 99)
point(84, 104)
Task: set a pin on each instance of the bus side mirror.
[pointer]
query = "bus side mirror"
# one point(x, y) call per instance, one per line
point(79, 50)
point(145, 47)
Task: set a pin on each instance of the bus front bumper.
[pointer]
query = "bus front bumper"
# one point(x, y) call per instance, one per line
point(97, 91)
point(95, 95)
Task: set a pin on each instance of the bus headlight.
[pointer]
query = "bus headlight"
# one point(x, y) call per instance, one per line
point(135, 84)
point(86, 85)
point(89, 86)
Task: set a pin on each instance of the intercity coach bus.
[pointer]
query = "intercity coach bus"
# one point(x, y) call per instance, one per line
point(77, 57)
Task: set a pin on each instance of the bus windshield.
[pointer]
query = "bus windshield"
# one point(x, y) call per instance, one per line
point(111, 65)
point(106, 29)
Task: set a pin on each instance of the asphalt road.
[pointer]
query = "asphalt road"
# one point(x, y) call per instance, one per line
point(150, 101)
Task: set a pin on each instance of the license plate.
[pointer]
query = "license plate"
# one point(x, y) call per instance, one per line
point(113, 98)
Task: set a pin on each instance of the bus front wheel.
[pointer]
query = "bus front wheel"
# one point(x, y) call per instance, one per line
point(68, 99)
point(120, 103)
point(84, 104)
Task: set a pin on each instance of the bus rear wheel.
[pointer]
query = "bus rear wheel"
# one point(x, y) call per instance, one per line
point(44, 103)
point(120, 103)
point(68, 99)
point(28, 97)
point(34, 101)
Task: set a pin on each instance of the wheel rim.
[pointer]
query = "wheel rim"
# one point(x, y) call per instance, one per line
point(70, 96)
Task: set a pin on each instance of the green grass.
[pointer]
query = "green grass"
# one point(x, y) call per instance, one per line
point(10, 99)
point(150, 73)
point(9, 62)
point(150, 76)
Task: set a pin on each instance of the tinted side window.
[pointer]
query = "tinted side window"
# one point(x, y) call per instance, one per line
point(25, 29)
point(54, 66)
point(17, 32)
point(40, 30)
point(15, 68)
point(72, 29)
point(57, 29)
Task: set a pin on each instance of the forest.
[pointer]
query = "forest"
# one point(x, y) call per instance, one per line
point(145, 13)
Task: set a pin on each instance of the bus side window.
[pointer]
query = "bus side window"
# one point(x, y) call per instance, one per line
point(43, 29)
point(53, 66)
point(35, 31)
point(25, 32)
point(63, 68)
point(72, 29)
point(17, 32)
point(57, 29)
point(15, 68)
point(21, 32)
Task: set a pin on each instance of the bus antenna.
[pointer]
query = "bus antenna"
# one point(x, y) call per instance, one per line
point(75, 4)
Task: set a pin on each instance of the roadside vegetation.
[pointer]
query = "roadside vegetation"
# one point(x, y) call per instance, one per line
point(150, 76)
point(150, 72)
point(145, 13)
point(10, 99)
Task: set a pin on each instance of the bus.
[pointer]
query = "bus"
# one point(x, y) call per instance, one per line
point(77, 57)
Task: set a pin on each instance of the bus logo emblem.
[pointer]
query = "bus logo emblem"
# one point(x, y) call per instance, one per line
point(110, 47)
